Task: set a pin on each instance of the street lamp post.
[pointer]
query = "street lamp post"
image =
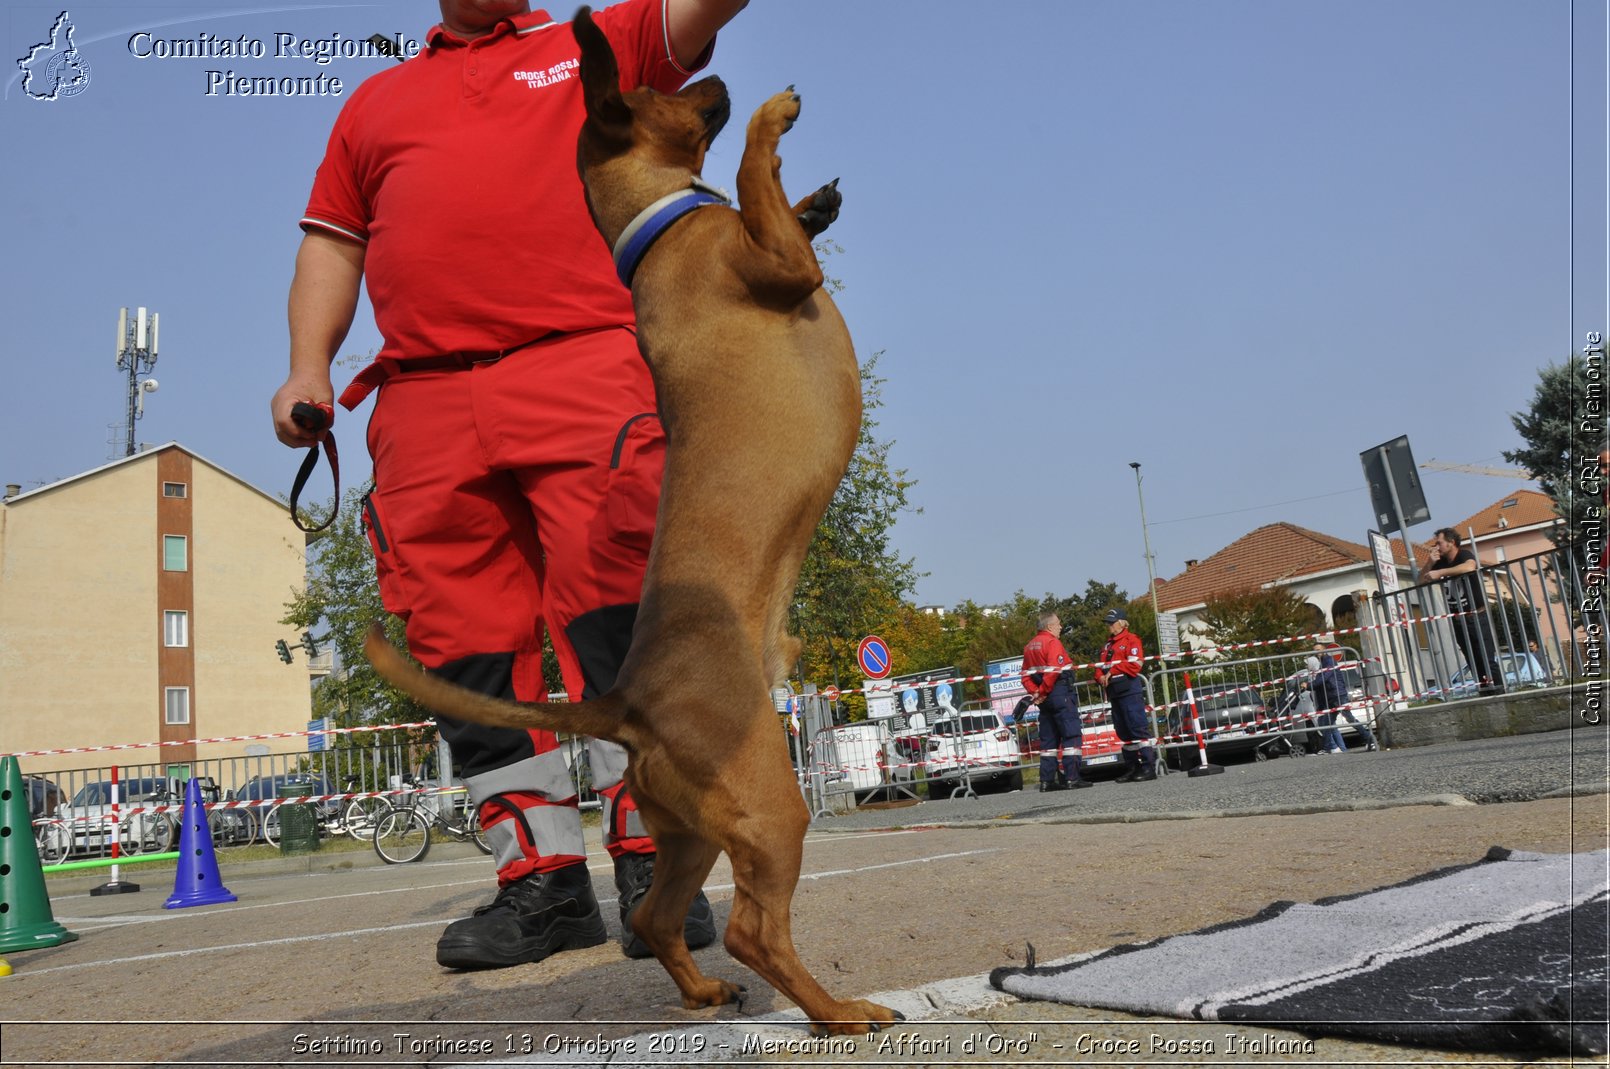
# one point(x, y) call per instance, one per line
point(1146, 540)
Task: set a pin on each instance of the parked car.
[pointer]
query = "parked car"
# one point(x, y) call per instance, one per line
point(44, 796)
point(856, 757)
point(1100, 744)
point(977, 741)
point(88, 814)
point(1519, 670)
point(267, 788)
point(1232, 717)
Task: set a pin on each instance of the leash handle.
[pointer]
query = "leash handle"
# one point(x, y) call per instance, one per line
point(312, 417)
point(316, 417)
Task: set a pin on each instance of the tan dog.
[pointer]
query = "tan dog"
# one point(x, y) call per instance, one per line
point(760, 396)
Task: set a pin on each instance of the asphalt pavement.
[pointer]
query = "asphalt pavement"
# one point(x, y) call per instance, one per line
point(909, 906)
point(1480, 772)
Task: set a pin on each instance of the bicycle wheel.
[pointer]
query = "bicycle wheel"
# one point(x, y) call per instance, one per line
point(54, 840)
point(271, 826)
point(229, 826)
point(161, 831)
point(473, 826)
point(362, 814)
point(401, 836)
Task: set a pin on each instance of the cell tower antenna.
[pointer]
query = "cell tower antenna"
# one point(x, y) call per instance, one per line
point(137, 356)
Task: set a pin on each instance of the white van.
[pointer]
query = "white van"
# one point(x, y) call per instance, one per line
point(861, 757)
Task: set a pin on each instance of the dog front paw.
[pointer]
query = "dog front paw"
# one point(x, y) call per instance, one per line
point(818, 211)
point(777, 115)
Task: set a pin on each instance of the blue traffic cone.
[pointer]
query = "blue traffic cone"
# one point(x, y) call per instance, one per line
point(197, 883)
point(26, 922)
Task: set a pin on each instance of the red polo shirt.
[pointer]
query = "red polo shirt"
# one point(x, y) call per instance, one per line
point(457, 170)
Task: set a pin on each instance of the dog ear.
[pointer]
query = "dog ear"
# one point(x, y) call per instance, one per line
point(600, 78)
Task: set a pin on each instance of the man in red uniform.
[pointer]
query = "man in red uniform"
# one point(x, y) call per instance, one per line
point(517, 449)
point(1050, 685)
point(1121, 659)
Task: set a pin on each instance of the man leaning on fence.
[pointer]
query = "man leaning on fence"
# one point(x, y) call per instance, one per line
point(1047, 678)
point(1456, 566)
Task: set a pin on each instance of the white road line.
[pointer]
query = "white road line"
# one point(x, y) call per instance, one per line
point(390, 928)
point(97, 924)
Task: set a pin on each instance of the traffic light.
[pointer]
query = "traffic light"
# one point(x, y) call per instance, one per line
point(283, 650)
point(309, 644)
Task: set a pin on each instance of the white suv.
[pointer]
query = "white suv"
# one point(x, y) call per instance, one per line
point(977, 742)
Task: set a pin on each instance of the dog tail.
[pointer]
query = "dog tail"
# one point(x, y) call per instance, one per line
point(599, 718)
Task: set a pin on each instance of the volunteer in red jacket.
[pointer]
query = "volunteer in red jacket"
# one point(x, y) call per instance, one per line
point(1121, 658)
point(517, 451)
point(1049, 681)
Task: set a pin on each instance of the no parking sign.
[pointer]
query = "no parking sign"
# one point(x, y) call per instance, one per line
point(873, 656)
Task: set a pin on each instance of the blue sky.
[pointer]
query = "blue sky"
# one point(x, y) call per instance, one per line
point(1238, 241)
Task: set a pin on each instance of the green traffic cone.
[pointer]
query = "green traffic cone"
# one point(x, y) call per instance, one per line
point(26, 922)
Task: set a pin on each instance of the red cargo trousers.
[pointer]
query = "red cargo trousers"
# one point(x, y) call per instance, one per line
point(509, 494)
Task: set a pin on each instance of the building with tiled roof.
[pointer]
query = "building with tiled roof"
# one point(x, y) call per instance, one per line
point(1319, 568)
point(1516, 525)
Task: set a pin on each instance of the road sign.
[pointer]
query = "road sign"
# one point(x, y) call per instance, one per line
point(1394, 484)
point(1168, 634)
point(873, 656)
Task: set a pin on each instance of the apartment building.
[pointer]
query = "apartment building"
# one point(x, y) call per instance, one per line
point(140, 603)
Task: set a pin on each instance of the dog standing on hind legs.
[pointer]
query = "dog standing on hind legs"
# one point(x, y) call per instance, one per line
point(759, 393)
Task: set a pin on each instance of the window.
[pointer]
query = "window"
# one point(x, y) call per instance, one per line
point(176, 705)
point(175, 553)
point(175, 628)
point(175, 490)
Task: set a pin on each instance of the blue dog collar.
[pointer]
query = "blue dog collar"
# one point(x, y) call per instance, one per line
point(656, 219)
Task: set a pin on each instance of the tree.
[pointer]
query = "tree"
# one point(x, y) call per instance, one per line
point(342, 596)
point(1563, 441)
point(1254, 615)
point(853, 578)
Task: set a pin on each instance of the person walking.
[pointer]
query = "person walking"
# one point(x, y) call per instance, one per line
point(516, 443)
point(1048, 680)
point(1119, 673)
point(1454, 564)
point(1329, 688)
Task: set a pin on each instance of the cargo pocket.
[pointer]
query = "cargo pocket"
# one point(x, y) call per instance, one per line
point(635, 467)
point(386, 567)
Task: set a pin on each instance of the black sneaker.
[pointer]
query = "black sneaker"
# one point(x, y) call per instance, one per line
point(634, 875)
point(1129, 776)
point(530, 919)
point(1146, 774)
point(1079, 784)
point(1048, 787)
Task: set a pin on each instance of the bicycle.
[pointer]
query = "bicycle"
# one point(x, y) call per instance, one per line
point(360, 815)
point(404, 834)
point(53, 839)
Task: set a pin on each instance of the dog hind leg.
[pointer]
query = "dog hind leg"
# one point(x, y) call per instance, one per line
point(766, 846)
point(682, 861)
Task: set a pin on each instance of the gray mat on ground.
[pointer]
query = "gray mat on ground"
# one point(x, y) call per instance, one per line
point(1506, 954)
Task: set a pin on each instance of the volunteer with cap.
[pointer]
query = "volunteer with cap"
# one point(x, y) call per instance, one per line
point(1119, 673)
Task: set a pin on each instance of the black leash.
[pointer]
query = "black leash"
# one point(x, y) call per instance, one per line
point(316, 418)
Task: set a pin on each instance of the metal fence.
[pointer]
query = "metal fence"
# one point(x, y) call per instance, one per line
point(1535, 622)
point(77, 801)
